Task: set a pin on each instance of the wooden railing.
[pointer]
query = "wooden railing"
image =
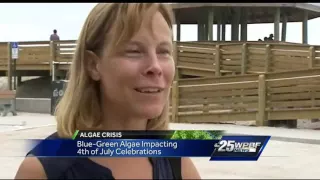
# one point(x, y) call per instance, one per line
point(63, 52)
point(32, 56)
point(204, 59)
point(211, 59)
point(273, 96)
point(266, 81)
point(4, 56)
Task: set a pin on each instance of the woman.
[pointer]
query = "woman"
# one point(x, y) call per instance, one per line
point(119, 80)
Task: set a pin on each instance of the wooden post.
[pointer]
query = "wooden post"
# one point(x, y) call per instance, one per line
point(210, 24)
point(178, 25)
point(176, 60)
point(217, 61)
point(244, 58)
point(262, 96)
point(267, 59)
point(9, 67)
point(174, 102)
point(52, 56)
point(244, 25)
point(276, 24)
point(219, 29)
point(199, 31)
point(53, 51)
point(235, 25)
point(223, 29)
point(178, 30)
point(284, 28)
point(233, 30)
point(203, 33)
point(19, 80)
point(305, 28)
point(218, 16)
point(311, 57)
point(175, 90)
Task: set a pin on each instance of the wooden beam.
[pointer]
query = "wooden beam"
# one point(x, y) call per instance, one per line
point(223, 30)
point(178, 31)
point(262, 92)
point(9, 70)
point(178, 24)
point(218, 17)
point(199, 31)
point(276, 24)
point(210, 24)
point(251, 5)
point(219, 31)
point(204, 35)
point(244, 25)
point(305, 28)
point(284, 27)
point(235, 25)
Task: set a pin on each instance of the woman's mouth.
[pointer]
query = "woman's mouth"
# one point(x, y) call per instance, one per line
point(149, 90)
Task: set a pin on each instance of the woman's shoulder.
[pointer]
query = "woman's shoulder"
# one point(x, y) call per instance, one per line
point(31, 168)
point(43, 167)
point(34, 167)
point(47, 168)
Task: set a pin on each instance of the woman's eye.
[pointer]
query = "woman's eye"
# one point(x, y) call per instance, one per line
point(164, 52)
point(132, 51)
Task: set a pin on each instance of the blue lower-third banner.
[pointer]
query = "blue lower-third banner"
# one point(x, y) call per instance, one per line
point(240, 148)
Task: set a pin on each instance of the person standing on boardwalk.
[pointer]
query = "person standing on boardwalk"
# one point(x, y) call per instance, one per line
point(54, 36)
point(120, 79)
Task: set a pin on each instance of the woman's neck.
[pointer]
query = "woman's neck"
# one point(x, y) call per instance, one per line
point(113, 121)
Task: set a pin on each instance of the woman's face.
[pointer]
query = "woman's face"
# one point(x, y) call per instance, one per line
point(136, 81)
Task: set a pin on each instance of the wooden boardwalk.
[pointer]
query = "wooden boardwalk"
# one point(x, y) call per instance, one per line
point(229, 81)
point(201, 59)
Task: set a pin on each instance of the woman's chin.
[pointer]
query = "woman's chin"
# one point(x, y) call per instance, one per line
point(151, 112)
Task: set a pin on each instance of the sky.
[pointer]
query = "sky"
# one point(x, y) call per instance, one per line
point(36, 21)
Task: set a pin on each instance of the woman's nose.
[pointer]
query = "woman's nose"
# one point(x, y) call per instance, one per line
point(154, 67)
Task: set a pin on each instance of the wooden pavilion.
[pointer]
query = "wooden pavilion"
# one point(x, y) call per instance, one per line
point(207, 14)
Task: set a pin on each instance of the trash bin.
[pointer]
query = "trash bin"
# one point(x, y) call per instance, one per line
point(58, 88)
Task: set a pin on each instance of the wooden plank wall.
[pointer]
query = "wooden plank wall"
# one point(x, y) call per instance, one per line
point(63, 54)
point(4, 55)
point(273, 96)
point(203, 59)
point(265, 81)
point(248, 58)
point(34, 56)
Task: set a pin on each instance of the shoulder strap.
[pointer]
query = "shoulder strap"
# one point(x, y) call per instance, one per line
point(176, 167)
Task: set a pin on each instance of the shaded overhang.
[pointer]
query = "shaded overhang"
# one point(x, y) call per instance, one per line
point(190, 13)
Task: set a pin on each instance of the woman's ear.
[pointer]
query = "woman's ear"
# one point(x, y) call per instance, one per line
point(92, 65)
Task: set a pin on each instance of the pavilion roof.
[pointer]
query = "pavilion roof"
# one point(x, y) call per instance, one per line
point(190, 13)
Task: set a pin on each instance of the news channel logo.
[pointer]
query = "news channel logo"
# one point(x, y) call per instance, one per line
point(239, 148)
point(233, 146)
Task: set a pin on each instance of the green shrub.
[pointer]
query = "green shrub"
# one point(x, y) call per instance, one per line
point(196, 134)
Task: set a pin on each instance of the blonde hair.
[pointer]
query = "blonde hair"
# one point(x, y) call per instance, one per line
point(112, 24)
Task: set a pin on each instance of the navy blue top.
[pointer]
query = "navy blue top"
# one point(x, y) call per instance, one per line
point(84, 168)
